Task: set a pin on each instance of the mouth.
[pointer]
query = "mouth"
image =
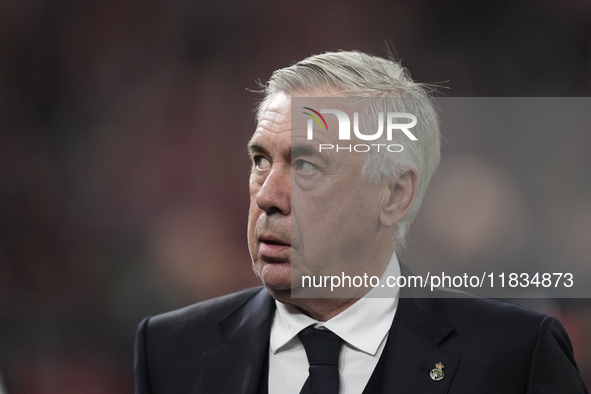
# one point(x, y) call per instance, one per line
point(273, 247)
point(272, 240)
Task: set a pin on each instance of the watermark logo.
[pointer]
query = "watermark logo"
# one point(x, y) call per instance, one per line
point(345, 128)
point(316, 119)
point(345, 124)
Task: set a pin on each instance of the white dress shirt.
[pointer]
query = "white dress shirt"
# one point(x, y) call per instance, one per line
point(363, 327)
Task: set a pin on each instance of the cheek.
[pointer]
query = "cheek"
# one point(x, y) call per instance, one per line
point(254, 214)
point(252, 218)
point(251, 239)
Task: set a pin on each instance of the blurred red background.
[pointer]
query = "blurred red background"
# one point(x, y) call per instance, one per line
point(123, 172)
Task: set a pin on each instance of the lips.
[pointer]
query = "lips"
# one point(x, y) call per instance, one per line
point(273, 240)
point(271, 246)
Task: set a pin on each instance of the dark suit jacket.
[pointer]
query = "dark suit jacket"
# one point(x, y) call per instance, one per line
point(486, 346)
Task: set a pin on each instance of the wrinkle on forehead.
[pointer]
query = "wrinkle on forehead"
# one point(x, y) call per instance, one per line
point(277, 111)
point(275, 124)
point(276, 115)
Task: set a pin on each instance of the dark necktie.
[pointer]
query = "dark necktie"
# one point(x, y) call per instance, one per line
point(322, 348)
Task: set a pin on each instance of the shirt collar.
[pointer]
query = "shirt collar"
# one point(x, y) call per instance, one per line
point(363, 325)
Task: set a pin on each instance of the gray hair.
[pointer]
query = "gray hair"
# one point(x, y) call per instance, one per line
point(356, 74)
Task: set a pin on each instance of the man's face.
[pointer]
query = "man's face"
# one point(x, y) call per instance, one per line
point(310, 213)
point(269, 217)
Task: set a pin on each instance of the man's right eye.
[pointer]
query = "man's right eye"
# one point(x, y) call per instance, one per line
point(261, 163)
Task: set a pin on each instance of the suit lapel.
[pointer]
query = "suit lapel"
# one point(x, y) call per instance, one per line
point(235, 367)
point(412, 349)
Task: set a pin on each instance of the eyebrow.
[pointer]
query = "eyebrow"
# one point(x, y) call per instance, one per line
point(254, 147)
point(293, 151)
point(303, 150)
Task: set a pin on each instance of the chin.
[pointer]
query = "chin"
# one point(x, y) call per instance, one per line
point(275, 285)
point(279, 293)
point(274, 275)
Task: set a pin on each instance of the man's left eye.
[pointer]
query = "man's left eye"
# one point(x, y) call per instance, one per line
point(304, 166)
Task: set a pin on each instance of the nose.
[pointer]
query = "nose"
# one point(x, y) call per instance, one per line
point(274, 196)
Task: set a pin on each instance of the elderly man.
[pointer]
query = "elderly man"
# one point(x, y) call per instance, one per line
point(318, 209)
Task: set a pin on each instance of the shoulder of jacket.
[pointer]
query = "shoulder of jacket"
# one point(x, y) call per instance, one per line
point(203, 312)
point(491, 312)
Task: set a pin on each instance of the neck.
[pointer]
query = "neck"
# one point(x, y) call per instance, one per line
point(323, 309)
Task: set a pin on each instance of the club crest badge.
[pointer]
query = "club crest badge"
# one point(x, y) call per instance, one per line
point(437, 372)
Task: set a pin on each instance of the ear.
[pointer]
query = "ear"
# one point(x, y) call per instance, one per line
point(399, 197)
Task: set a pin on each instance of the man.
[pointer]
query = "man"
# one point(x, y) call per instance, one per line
point(316, 213)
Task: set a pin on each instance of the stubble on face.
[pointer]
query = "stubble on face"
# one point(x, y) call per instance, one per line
point(329, 225)
point(269, 224)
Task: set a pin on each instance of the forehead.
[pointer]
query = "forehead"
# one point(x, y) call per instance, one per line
point(279, 128)
point(272, 133)
point(276, 115)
